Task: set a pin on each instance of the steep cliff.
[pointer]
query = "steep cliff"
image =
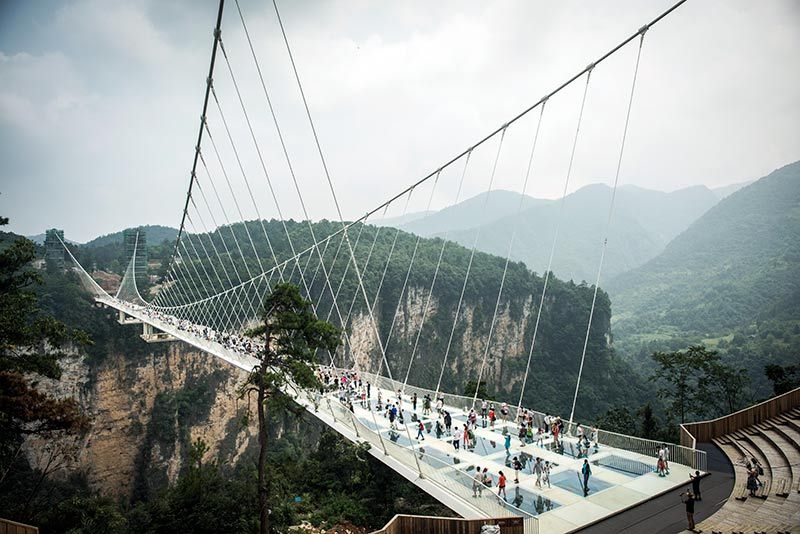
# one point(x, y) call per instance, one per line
point(146, 411)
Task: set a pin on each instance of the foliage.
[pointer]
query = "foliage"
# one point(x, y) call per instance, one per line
point(731, 281)
point(784, 379)
point(695, 383)
point(291, 335)
point(31, 343)
point(470, 388)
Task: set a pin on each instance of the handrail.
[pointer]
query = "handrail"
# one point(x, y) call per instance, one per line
point(705, 431)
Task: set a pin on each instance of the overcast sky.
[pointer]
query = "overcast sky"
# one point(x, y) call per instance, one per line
point(100, 100)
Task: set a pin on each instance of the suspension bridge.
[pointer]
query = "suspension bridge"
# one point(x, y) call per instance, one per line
point(228, 256)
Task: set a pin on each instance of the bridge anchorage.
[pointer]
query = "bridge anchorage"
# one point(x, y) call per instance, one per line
point(224, 264)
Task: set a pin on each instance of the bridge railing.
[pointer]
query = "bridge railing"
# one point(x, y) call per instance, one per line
point(688, 456)
point(693, 458)
point(705, 431)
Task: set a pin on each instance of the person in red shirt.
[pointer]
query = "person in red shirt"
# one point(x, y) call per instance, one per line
point(501, 486)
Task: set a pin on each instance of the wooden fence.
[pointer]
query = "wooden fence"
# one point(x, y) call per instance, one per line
point(12, 527)
point(705, 431)
point(405, 524)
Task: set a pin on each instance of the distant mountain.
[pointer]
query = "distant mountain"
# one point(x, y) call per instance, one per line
point(644, 222)
point(732, 264)
point(726, 190)
point(39, 239)
point(403, 219)
point(155, 235)
point(730, 281)
point(475, 211)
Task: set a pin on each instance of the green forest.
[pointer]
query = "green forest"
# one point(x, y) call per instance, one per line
point(731, 281)
point(559, 343)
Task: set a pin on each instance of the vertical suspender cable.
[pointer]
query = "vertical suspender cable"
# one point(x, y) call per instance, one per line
point(330, 182)
point(555, 235)
point(608, 223)
point(435, 275)
point(508, 255)
point(471, 258)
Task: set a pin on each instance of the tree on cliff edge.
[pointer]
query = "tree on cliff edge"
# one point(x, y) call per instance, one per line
point(31, 344)
point(291, 334)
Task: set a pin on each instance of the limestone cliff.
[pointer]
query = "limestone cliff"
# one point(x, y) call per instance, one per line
point(146, 411)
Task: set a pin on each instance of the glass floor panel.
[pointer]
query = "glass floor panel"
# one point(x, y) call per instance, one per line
point(572, 481)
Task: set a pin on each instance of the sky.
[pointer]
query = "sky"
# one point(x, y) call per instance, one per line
point(100, 103)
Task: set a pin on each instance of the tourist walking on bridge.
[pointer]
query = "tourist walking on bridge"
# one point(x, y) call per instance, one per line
point(517, 467)
point(420, 429)
point(477, 483)
point(695, 485)
point(501, 486)
point(587, 472)
point(456, 437)
point(546, 473)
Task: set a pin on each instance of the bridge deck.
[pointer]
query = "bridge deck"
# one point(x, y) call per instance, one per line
point(621, 477)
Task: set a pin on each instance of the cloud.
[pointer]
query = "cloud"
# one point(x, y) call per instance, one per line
point(105, 114)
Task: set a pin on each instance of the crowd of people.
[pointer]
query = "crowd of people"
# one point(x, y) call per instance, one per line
point(531, 428)
point(243, 345)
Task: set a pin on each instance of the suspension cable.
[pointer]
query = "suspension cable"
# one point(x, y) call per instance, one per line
point(508, 254)
point(559, 219)
point(608, 222)
point(472, 252)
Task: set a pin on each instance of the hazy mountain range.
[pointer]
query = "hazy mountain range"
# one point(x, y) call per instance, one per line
point(644, 221)
point(737, 263)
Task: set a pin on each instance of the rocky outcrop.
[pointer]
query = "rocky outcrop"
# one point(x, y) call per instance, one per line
point(146, 412)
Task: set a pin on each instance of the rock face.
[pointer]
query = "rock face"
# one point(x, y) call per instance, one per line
point(146, 412)
point(503, 363)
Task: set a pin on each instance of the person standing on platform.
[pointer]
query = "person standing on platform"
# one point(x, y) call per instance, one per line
point(420, 430)
point(696, 485)
point(456, 437)
point(448, 421)
point(501, 486)
point(587, 472)
point(688, 500)
point(477, 483)
point(546, 473)
point(517, 467)
point(508, 444)
point(538, 469)
point(414, 402)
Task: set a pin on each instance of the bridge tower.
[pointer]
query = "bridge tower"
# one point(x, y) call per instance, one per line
point(138, 244)
point(53, 249)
